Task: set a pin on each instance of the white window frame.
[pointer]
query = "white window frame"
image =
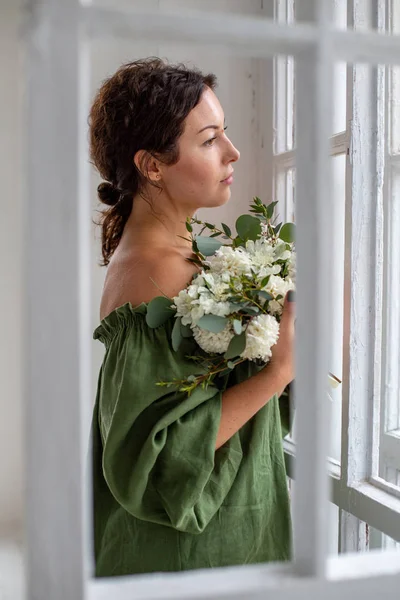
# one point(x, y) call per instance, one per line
point(366, 103)
point(57, 360)
point(389, 439)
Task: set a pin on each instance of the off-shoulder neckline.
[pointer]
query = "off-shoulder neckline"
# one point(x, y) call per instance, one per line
point(139, 308)
point(118, 318)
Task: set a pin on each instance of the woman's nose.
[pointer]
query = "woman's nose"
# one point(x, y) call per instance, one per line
point(234, 153)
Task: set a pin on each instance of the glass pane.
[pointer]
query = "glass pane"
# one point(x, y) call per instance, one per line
point(394, 109)
point(284, 109)
point(392, 476)
point(284, 86)
point(339, 97)
point(285, 190)
point(290, 194)
point(339, 72)
point(394, 84)
point(339, 192)
point(285, 181)
point(340, 14)
point(391, 302)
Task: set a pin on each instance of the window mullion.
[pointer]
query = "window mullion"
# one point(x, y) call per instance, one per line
point(55, 384)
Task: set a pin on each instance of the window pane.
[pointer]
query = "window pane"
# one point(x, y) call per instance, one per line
point(339, 72)
point(379, 539)
point(285, 190)
point(284, 86)
point(284, 112)
point(340, 14)
point(339, 97)
point(394, 84)
point(285, 181)
point(391, 302)
point(338, 197)
point(394, 109)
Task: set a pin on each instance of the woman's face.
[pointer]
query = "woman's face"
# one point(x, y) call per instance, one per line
point(203, 174)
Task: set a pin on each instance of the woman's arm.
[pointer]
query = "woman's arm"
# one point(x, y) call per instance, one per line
point(242, 401)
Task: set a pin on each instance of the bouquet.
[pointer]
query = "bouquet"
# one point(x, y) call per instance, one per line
point(233, 306)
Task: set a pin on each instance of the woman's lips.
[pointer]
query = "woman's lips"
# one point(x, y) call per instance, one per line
point(228, 180)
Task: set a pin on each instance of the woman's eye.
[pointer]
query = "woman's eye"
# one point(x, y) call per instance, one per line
point(210, 141)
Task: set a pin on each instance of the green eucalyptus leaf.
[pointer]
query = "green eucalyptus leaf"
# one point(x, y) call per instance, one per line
point(227, 230)
point(287, 233)
point(189, 227)
point(265, 295)
point(176, 335)
point(270, 209)
point(248, 227)
point(236, 346)
point(265, 281)
point(237, 326)
point(251, 310)
point(216, 234)
point(277, 228)
point(207, 245)
point(237, 306)
point(212, 323)
point(159, 311)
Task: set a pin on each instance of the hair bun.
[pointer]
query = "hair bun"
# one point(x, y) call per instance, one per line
point(108, 193)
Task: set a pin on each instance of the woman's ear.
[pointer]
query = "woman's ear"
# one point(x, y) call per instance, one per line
point(147, 165)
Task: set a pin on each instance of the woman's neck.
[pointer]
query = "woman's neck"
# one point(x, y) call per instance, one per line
point(148, 225)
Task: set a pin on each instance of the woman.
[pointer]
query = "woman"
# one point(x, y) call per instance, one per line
point(179, 482)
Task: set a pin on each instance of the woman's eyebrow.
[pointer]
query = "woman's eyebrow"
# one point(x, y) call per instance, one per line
point(210, 127)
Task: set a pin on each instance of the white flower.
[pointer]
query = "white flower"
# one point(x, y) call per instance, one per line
point(193, 291)
point(281, 252)
point(234, 261)
point(213, 342)
point(268, 270)
point(195, 315)
point(277, 286)
point(261, 253)
point(261, 334)
point(210, 306)
point(183, 303)
point(217, 285)
point(292, 266)
point(204, 305)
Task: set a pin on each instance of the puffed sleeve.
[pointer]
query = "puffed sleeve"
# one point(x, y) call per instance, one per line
point(159, 459)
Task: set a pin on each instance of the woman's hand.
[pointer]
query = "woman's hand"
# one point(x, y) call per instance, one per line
point(282, 359)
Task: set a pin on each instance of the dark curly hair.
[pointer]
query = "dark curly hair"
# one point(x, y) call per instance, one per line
point(141, 107)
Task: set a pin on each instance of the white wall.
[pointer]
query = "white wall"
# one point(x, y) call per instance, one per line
point(11, 147)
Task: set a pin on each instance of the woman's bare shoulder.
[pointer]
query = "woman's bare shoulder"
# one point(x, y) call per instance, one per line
point(141, 276)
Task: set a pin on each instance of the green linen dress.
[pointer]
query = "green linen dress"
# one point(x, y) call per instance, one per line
point(163, 498)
